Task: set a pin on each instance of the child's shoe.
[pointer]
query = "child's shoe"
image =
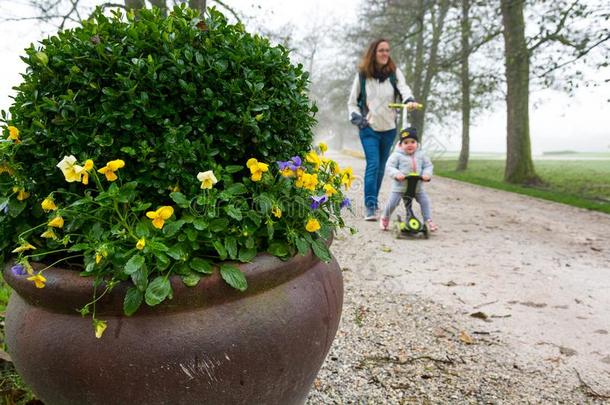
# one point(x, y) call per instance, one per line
point(384, 223)
point(431, 226)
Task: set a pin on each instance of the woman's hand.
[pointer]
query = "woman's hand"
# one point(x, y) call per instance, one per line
point(400, 177)
point(425, 177)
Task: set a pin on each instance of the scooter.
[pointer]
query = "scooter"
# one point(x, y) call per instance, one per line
point(412, 226)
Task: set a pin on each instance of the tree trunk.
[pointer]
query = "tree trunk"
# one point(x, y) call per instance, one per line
point(519, 164)
point(465, 79)
point(431, 68)
point(161, 4)
point(134, 4)
point(197, 5)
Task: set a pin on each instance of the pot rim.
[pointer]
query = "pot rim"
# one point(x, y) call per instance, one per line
point(67, 291)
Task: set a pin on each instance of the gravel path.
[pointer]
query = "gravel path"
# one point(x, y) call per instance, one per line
point(535, 275)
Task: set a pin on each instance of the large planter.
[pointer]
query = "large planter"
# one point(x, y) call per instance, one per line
point(210, 344)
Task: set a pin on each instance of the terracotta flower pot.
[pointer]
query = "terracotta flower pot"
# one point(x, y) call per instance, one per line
point(210, 344)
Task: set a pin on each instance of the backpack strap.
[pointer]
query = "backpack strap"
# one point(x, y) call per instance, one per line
point(362, 95)
point(396, 91)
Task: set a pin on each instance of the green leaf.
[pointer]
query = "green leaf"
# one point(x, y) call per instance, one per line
point(231, 246)
point(157, 291)
point(200, 224)
point(236, 189)
point(233, 212)
point(233, 168)
point(140, 278)
point(134, 264)
point(220, 248)
point(191, 280)
point(234, 277)
point(279, 249)
point(142, 229)
point(78, 247)
point(246, 254)
point(201, 265)
point(127, 193)
point(320, 250)
point(156, 246)
point(177, 252)
point(141, 207)
point(254, 217)
point(180, 199)
point(133, 300)
point(219, 224)
point(302, 246)
point(171, 228)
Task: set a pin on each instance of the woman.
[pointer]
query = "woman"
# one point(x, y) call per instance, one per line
point(377, 84)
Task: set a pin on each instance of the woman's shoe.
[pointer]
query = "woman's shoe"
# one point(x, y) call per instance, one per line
point(371, 217)
point(431, 226)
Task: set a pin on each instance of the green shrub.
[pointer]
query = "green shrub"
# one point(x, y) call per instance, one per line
point(166, 95)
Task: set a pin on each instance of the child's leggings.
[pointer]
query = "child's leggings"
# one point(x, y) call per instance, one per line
point(396, 197)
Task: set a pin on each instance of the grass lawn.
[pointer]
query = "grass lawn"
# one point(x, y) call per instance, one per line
point(582, 183)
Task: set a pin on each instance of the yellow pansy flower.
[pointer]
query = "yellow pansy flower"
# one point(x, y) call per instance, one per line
point(57, 222)
point(5, 168)
point(160, 215)
point(312, 225)
point(21, 193)
point(86, 169)
point(23, 247)
point(287, 172)
point(13, 133)
point(312, 157)
point(323, 147)
point(276, 211)
point(100, 327)
point(48, 204)
point(110, 168)
point(72, 172)
point(49, 234)
point(329, 190)
point(207, 179)
point(141, 243)
point(256, 169)
point(307, 181)
point(334, 167)
point(98, 257)
point(38, 280)
point(347, 176)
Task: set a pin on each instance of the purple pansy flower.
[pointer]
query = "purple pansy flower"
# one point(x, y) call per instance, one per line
point(18, 270)
point(283, 165)
point(317, 201)
point(345, 203)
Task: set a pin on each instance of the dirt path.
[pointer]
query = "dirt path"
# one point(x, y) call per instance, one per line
point(539, 271)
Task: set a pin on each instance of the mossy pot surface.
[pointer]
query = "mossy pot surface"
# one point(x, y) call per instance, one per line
point(208, 344)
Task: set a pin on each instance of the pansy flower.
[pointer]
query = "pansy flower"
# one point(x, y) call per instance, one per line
point(38, 280)
point(207, 179)
point(256, 169)
point(72, 172)
point(312, 225)
point(48, 204)
point(110, 169)
point(345, 203)
point(160, 216)
point(317, 201)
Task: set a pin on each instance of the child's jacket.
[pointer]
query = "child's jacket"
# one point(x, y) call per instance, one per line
point(400, 162)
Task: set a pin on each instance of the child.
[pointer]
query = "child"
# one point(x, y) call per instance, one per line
point(404, 160)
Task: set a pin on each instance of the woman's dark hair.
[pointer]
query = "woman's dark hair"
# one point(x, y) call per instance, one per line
point(369, 67)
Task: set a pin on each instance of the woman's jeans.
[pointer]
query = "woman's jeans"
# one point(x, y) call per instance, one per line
point(377, 147)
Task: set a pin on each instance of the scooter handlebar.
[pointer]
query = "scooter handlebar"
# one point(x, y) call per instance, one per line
point(410, 106)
